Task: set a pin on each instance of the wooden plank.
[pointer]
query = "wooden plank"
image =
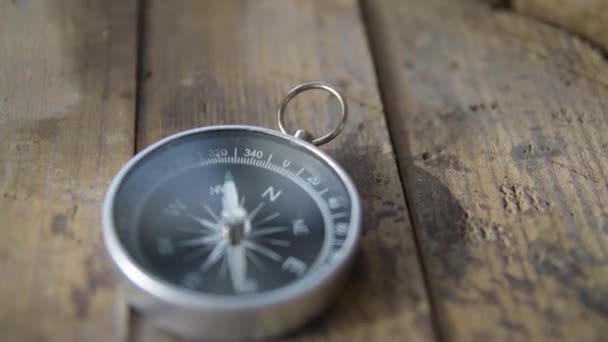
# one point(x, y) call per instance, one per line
point(587, 18)
point(499, 123)
point(218, 62)
point(66, 124)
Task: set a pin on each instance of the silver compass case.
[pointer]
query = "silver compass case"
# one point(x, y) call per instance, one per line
point(232, 232)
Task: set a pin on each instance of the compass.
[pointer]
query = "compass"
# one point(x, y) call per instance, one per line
point(233, 231)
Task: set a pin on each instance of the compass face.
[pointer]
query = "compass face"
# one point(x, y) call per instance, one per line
point(233, 211)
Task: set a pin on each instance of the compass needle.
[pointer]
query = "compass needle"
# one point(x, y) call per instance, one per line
point(237, 265)
point(230, 201)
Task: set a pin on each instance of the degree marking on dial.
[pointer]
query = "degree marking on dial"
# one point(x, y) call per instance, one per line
point(322, 192)
point(341, 228)
point(334, 203)
point(262, 250)
point(314, 180)
point(267, 231)
point(339, 243)
point(338, 215)
point(299, 172)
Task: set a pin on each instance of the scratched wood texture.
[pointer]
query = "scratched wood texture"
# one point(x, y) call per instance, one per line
point(499, 123)
point(66, 124)
point(587, 18)
point(219, 62)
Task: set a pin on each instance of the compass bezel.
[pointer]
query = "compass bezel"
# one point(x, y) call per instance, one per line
point(171, 293)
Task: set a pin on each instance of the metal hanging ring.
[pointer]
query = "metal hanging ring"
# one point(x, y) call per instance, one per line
point(308, 86)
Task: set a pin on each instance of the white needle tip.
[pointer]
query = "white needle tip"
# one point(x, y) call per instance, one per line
point(228, 177)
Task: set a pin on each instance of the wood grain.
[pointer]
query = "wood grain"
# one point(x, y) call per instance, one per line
point(588, 18)
point(499, 123)
point(66, 124)
point(218, 62)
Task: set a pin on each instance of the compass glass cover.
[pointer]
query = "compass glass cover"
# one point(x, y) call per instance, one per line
point(231, 211)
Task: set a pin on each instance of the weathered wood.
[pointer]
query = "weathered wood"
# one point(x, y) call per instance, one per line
point(499, 123)
point(217, 62)
point(588, 18)
point(66, 124)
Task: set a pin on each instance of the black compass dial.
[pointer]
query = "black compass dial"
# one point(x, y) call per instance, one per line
point(232, 212)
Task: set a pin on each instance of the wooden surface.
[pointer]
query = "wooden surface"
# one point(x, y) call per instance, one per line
point(499, 124)
point(497, 120)
point(586, 18)
point(66, 125)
